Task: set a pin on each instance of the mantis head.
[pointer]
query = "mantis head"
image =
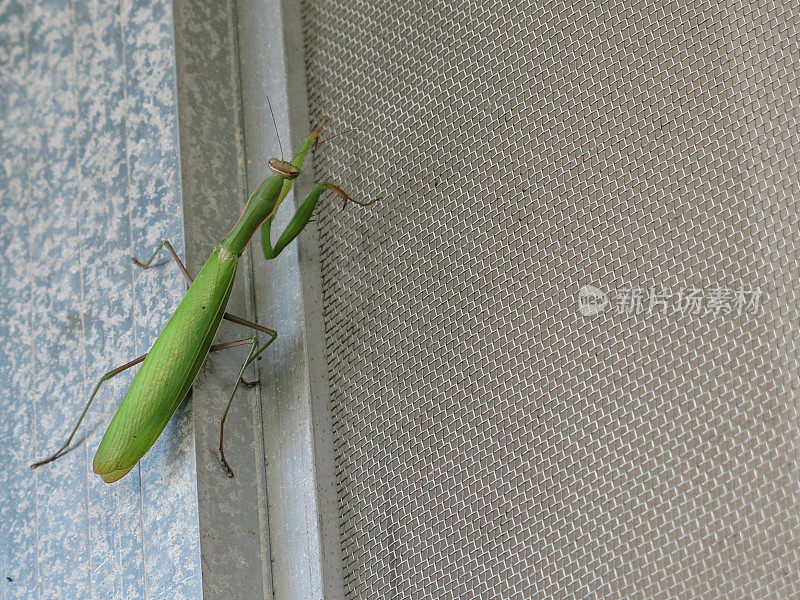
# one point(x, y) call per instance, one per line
point(283, 168)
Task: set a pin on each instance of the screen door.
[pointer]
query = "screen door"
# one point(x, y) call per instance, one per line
point(563, 347)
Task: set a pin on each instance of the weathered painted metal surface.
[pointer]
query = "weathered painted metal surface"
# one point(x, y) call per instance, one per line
point(89, 175)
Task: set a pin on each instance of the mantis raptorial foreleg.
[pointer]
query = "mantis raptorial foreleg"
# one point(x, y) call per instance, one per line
point(300, 218)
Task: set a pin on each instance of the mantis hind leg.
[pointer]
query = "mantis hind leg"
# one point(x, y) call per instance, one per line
point(255, 350)
point(65, 447)
point(301, 218)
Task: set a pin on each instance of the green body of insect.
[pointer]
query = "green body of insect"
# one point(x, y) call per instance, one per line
point(169, 369)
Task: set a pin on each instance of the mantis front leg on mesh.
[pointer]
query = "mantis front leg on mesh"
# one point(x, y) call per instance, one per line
point(169, 368)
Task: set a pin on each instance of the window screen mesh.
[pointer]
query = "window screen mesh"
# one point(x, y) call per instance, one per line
point(498, 435)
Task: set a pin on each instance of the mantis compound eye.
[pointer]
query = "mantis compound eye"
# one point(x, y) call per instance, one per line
point(283, 168)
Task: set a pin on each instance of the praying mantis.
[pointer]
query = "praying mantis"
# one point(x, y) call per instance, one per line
point(168, 370)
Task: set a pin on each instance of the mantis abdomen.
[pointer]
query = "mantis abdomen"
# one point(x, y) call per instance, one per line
point(168, 371)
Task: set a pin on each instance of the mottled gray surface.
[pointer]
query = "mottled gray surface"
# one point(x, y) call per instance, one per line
point(89, 174)
point(491, 441)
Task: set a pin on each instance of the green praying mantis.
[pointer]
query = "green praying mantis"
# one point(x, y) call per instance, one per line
point(170, 367)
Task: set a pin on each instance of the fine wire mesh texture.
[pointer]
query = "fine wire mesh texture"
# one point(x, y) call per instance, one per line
point(501, 430)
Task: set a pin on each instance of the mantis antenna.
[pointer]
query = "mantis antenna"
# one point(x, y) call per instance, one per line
point(275, 124)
